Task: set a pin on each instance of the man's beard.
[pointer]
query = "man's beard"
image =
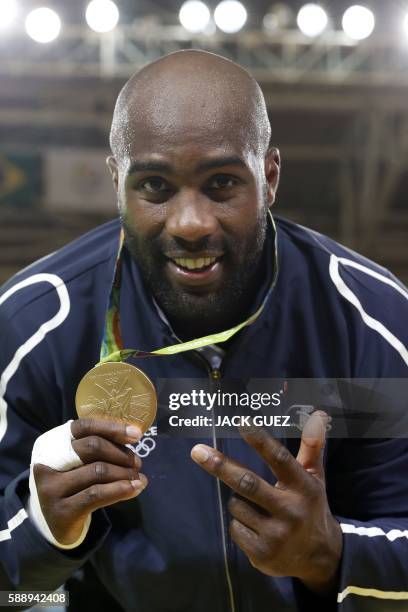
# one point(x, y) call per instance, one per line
point(196, 312)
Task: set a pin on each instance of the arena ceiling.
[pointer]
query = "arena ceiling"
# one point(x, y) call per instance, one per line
point(339, 112)
point(388, 13)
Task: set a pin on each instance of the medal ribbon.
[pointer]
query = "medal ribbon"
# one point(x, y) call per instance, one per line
point(112, 346)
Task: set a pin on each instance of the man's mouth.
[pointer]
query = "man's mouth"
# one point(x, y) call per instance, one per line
point(195, 271)
point(199, 264)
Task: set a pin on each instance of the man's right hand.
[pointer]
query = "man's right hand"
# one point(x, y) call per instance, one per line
point(110, 474)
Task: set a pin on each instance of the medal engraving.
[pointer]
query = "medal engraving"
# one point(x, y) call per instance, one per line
point(117, 391)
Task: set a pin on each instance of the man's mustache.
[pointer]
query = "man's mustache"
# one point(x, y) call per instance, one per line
point(178, 247)
point(202, 248)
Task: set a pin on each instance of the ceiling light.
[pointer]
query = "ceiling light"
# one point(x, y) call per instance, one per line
point(43, 25)
point(405, 24)
point(230, 16)
point(358, 22)
point(8, 12)
point(312, 20)
point(194, 16)
point(102, 15)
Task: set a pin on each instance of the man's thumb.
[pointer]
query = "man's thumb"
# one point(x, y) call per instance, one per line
point(310, 454)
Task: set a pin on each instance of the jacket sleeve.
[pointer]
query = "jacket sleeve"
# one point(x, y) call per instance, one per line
point(28, 407)
point(368, 477)
point(379, 583)
point(374, 566)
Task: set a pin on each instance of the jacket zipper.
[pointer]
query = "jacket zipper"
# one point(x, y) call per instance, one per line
point(215, 376)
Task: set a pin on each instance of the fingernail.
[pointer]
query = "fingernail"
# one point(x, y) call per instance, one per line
point(200, 454)
point(137, 484)
point(133, 432)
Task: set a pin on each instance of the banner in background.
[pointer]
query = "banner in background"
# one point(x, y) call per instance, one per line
point(20, 179)
point(78, 180)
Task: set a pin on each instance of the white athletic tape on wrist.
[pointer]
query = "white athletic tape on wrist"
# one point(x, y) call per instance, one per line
point(53, 449)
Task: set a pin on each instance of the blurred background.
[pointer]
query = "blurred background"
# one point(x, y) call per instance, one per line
point(335, 78)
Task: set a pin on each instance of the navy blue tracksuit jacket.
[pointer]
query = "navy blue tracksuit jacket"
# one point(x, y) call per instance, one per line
point(331, 314)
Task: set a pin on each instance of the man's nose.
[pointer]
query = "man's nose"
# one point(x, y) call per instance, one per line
point(191, 216)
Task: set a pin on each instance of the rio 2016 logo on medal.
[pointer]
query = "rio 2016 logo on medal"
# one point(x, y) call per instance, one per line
point(117, 391)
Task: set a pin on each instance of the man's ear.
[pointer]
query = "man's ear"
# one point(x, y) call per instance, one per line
point(272, 173)
point(113, 167)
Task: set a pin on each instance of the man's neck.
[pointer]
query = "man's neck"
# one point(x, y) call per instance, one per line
point(242, 308)
point(203, 326)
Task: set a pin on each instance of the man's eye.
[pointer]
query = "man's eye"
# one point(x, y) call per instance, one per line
point(154, 185)
point(222, 182)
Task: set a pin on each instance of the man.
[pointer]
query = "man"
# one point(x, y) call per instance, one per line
point(195, 177)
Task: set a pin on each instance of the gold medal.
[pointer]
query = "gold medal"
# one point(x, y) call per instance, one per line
point(117, 391)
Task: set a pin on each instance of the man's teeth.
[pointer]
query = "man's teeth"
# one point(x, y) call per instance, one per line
point(195, 264)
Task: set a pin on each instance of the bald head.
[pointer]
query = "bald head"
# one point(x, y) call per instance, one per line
point(190, 94)
point(195, 177)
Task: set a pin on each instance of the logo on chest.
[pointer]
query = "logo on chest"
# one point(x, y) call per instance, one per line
point(147, 444)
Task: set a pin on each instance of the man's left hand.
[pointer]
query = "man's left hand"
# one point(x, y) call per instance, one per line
point(286, 529)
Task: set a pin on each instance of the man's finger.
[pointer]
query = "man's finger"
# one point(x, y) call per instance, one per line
point(96, 448)
point(245, 538)
point(239, 478)
point(99, 472)
point(112, 430)
point(310, 455)
point(285, 467)
point(245, 513)
point(101, 495)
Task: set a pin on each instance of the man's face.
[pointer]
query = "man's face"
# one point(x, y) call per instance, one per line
point(194, 211)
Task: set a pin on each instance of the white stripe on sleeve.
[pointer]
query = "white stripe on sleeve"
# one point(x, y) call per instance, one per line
point(353, 299)
point(376, 593)
point(36, 338)
point(372, 532)
point(15, 521)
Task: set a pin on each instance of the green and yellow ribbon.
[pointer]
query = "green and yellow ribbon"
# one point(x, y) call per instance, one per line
point(112, 347)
